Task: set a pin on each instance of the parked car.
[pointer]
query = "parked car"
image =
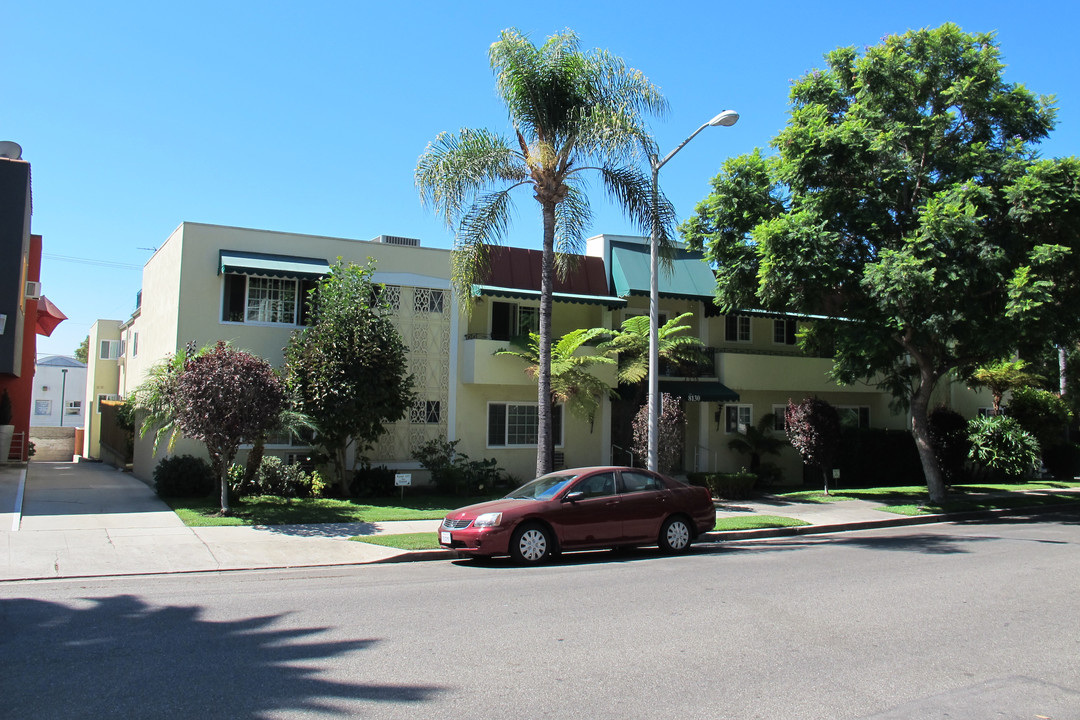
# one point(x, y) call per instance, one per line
point(582, 508)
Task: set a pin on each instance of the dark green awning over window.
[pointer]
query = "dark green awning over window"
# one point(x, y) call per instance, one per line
point(524, 294)
point(692, 391)
point(267, 265)
point(688, 277)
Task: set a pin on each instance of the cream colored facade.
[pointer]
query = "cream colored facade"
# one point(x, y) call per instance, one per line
point(102, 381)
point(463, 388)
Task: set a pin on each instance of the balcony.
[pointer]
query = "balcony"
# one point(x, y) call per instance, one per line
point(480, 364)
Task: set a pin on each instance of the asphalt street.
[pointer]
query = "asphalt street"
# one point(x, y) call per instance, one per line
point(944, 621)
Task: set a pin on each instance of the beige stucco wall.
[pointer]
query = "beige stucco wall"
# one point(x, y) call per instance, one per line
point(102, 378)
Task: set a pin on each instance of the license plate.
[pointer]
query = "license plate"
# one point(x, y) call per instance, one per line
point(444, 538)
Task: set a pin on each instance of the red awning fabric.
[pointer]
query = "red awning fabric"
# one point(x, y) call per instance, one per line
point(48, 316)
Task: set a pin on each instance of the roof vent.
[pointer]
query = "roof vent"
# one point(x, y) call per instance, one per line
point(395, 240)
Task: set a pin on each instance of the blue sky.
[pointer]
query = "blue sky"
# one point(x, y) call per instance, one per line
point(309, 117)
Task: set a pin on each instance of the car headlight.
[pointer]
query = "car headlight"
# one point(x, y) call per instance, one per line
point(487, 520)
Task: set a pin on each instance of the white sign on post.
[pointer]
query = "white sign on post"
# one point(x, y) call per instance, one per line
point(402, 479)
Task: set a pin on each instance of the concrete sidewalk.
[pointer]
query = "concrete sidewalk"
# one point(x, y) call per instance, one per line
point(84, 519)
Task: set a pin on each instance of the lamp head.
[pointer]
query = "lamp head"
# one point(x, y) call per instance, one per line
point(725, 119)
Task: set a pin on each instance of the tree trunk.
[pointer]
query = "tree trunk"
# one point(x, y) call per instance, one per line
point(254, 459)
point(545, 445)
point(339, 468)
point(920, 429)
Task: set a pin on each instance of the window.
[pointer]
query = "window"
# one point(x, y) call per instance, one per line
point(135, 345)
point(517, 424)
point(737, 418)
point(110, 349)
point(74, 407)
point(391, 295)
point(778, 412)
point(43, 407)
point(852, 416)
point(425, 411)
point(427, 300)
point(599, 485)
point(784, 331)
point(250, 299)
point(639, 482)
point(984, 412)
point(510, 320)
point(737, 328)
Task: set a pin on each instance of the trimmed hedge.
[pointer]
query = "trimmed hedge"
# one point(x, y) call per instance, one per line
point(183, 476)
point(729, 486)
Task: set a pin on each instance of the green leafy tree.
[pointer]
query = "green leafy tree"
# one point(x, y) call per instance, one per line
point(82, 353)
point(813, 429)
point(347, 369)
point(574, 114)
point(225, 397)
point(573, 373)
point(155, 400)
point(906, 198)
point(1002, 376)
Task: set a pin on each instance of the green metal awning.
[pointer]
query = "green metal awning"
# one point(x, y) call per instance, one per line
point(692, 391)
point(267, 265)
point(688, 276)
point(524, 294)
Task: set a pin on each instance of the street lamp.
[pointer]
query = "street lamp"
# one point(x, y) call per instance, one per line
point(63, 387)
point(725, 119)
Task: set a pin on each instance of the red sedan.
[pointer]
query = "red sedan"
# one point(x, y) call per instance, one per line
point(582, 508)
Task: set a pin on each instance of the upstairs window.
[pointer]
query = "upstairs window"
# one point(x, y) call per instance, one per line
point(510, 320)
point(427, 300)
point(784, 332)
point(110, 349)
point(737, 328)
point(265, 301)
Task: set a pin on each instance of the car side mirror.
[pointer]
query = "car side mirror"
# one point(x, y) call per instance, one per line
point(573, 497)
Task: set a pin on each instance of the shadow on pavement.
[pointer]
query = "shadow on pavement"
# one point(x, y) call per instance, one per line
point(119, 657)
point(321, 530)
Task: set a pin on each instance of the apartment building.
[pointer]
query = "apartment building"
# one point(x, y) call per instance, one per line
point(207, 283)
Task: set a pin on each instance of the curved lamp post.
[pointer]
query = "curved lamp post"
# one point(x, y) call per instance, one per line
point(725, 119)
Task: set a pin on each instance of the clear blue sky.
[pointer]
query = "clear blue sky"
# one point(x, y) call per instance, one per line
point(309, 117)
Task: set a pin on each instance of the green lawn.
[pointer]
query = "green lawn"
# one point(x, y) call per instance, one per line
point(755, 522)
point(403, 541)
point(271, 510)
point(913, 499)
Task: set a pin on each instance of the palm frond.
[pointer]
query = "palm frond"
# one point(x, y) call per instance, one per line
point(456, 167)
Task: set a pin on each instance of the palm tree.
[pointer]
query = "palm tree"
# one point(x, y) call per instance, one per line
point(573, 382)
point(758, 440)
point(571, 112)
point(631, 343)
point(1002, 376)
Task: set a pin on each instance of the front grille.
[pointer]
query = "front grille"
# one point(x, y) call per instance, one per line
point(449, 524)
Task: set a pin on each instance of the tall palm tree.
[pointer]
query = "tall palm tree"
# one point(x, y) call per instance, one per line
point(573, 381)
point(572, 112)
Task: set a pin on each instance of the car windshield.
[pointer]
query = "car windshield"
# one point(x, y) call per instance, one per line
point(542, 488)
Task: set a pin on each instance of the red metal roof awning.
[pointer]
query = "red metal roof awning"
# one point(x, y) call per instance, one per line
point(48, 316)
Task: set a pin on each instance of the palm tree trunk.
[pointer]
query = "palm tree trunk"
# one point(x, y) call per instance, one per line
point(545, 448)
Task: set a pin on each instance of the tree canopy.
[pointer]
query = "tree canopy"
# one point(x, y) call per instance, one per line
point(573, 112)
point(348, 368)
point(907, 201)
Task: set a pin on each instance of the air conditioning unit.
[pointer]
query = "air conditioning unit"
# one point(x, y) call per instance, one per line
point(395, 240)
point(33, 290)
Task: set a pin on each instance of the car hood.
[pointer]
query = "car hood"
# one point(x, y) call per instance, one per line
point(504, 505)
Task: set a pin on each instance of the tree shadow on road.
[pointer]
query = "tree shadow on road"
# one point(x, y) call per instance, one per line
point(925, 543)
point(119, 657)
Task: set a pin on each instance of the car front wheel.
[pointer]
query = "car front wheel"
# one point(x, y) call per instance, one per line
point(531, 544)
point(675, 535)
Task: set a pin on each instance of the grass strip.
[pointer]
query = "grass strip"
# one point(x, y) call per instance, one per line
point(755, 522)
point(403, 541)
point(272, 510)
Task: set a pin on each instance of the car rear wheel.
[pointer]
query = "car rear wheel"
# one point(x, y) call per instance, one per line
point(531, 544)
point(675, 535)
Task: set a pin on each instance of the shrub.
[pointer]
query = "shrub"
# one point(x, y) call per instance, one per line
point(813, 428)
point(671, 434)
point(183, 476)
point(453, 472)
point(1002, 446)
point(730, 486)
point(1041, 413)
point(275, 477)
point(372, 481)
point(949, 435)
